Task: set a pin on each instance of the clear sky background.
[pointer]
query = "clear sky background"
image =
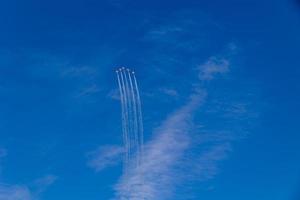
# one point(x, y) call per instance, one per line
point(219, 83)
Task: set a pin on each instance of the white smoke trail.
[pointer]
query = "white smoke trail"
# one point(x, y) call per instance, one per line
point(125, 124)
point(132, 122)
point(135, 125)
point(123, 120)
point(130, 117)
point(140, 116)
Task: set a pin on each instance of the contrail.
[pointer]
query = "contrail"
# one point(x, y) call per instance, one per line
point(123, 119)
point(125, 124)
point(132, 121)
point(140, 116)
point(130, 115)
point(135, 116)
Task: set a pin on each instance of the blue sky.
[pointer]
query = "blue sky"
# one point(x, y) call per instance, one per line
point(219, 83)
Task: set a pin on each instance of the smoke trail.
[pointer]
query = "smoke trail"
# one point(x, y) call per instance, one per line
point(123, 120)
point(135, 116)
point(140, 116)
point(130, 117)
point(125, 124)
point(132, 122)
point(140, 129)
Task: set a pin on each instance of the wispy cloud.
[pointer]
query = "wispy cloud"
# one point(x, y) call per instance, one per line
point(15, 193)
point(169, 91)
point(83, 71)
point(213, 67)
point(181, 150)
point(86, 80)
point(104, 156)
point(88, 91)
point(163, 94)
point(114, 94)
point(164, 33)
point(41, 184)
point(30, 191)
point(154, 179)
point(26, 192)
point(206, 164)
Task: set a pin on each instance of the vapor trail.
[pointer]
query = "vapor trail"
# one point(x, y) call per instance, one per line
point(125, 124)
point(130, 118)
point(135, 118)
point(132, 122)
point(123, 120)
point(140, 116)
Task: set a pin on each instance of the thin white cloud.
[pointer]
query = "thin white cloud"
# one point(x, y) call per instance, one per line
point(104, 157)
point(83, 71)
point(213, 67)
point(86, 80)
point(170, 158)
point(114, 94)
point(181, 151)
point(41, 184)
point(206, 165)
point(25, 192)
point(155, 178)
point(15, 193)
point(88, 91)
point(165, 32)
point(169, 152)
point(169, 91)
